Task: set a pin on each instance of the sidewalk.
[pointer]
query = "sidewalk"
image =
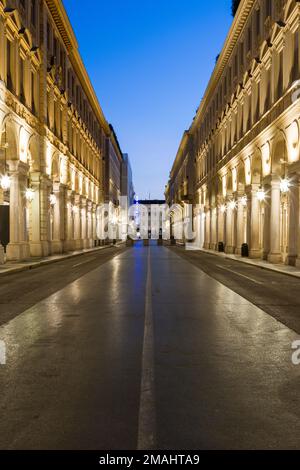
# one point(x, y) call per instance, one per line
point(280, 268)
point(15, 266)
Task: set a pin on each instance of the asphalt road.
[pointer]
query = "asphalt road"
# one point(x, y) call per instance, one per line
point(275, 293)
point(140, 348)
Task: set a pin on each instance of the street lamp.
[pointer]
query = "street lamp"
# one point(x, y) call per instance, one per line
point(261, 195)
point(29, 194)
point(244, 201)
point(5, 182)
point(232, 205)
point(284, 185)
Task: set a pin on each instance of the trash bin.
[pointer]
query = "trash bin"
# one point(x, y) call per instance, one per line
point(245, 250)
point(221, 247)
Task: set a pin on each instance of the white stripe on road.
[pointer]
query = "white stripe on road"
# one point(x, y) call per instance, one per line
point(147, 421)
point(239, 274)
point(83, 262)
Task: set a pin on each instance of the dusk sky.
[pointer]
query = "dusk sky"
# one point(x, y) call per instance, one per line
point(150, 62)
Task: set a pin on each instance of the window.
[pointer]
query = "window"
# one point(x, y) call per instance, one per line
point(242, 54)
point(250, 39)
point(49, 37)
point(33, 105)
point(22, 78)
point(33, 12)
point(268, 8)
point(8, 65)
point(296, 57)
point(258, 22)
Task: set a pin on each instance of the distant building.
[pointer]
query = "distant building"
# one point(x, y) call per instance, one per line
point(112, 181)
point(127, 188)
point(127, 195)
point(155, 217)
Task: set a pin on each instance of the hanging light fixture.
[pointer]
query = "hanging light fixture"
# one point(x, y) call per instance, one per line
point(244, 201)
point(232, 205)
point(261, 195)
point(5, 182)
point(29, 194)
point(284, 185)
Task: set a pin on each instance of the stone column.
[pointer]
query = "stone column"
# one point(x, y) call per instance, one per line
point(266, 227)
point(58, 215)
point(293, 257)
point(18, 247)
point(69, 221)
point(207, 229)
point(83, 222)
point(240, 221)
point(77, 223)
point(221, 226)
point(213, 229)
point(94, 234)
point(230, 230)
point(40, 215)
point(275, 255)
point(89, 224)
point(255, 250)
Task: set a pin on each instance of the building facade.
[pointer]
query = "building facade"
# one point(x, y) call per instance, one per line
point(53, 134)
point(127, 196)
point(151, 218)
point(245, 138)
point(113, 161)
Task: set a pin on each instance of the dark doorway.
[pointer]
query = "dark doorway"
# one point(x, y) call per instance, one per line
point(4, 225)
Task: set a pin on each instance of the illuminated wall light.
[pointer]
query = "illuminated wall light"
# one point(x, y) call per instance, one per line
point(284, 185)
point(29, 194)
point(261, 195)
point(232, 205)
point(52, 199)
point(223, 208)
point(5, 182)
point(244, 201)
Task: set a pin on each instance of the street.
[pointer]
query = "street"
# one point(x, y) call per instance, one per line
point(149, 347)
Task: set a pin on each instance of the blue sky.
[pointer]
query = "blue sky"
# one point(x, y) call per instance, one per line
point(150, 62)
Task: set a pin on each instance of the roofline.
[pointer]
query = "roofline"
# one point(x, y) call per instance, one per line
point(180, 150)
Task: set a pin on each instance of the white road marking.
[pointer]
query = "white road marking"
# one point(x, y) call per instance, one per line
point(83, 262)
point(147, 420)
point(239, 274)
